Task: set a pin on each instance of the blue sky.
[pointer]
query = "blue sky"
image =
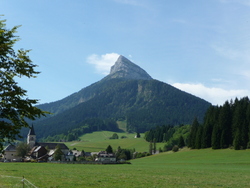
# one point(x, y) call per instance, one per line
point(198, 46)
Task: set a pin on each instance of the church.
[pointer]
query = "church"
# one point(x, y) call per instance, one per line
point(39, 150)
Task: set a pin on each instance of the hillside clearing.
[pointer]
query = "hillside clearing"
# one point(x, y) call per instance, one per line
point(98, 141)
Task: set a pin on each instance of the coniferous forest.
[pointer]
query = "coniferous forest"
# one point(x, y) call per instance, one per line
point(224, 126)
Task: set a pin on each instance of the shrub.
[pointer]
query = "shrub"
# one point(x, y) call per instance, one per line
point(114, 136)
point(175, 148)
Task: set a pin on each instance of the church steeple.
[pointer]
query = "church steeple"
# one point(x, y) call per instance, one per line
point(32, 131)
point(31, 138)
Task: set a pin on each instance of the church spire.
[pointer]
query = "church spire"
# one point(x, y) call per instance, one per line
point(32, 131)
point(31, 138)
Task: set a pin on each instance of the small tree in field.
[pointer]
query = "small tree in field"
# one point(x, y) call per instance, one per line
point(109, 149)
point(114, 136)
point(175, 148)
point(138, 135)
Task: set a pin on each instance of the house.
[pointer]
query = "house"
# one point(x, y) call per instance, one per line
point(105, 157)
point(52, 146)
point(73, 154)
point(78, 153)
point(10, 154)
point(39, 151)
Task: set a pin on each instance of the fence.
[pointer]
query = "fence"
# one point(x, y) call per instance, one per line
point(83, 162)
point(12, 181)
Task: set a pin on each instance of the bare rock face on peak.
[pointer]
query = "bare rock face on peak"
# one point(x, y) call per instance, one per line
point(124, 68)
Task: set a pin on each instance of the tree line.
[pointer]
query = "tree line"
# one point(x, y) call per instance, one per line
point(224, 126)
point(170, 135)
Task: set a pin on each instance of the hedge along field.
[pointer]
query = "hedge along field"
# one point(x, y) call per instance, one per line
point(186, 168)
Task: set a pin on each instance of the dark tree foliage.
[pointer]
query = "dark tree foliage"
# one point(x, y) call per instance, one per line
point(114, 136)
point(216, 137)
point(22, 149)
point(58, 153)
point(194, 131)
point(225, 121)
point(237, 140)
point(138, 135)
point(15, 106)
point(224, 126)
point(109, 149)
point(150, 149)
point(198, 138)
point(125, 154)
point(181, 142)
point(86, 126)
point(160, 133)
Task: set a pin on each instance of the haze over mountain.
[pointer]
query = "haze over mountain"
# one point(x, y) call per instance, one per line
point(127, 94)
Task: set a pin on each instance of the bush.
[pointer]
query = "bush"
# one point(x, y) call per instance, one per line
point(175, 148)
point(81, 159)
point(114, 136)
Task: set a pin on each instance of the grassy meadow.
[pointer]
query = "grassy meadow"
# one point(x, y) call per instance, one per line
point(186, 168)
point(99, 141)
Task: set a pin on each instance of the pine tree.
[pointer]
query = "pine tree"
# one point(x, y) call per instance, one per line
point(208, 127)
point(225, 124)
point(181, 142)
point(237, 143)
point(193, 132)
point(216, 137)
point(109, 149)
point(198, 138)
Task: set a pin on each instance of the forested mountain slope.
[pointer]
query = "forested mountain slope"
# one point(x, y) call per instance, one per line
point(129, 94)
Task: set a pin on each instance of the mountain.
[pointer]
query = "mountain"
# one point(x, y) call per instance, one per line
point(123, 68)
point(127, 94)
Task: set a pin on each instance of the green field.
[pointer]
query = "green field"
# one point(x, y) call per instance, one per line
point(187, 168)
point(98, 141)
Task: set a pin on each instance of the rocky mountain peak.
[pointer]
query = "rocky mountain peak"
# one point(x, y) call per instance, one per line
point(124, 68)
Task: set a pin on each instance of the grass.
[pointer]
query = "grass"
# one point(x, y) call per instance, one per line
point(186, 168)
point(99, 141)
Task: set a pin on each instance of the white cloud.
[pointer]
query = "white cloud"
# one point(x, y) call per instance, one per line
point(217, 96)
point(103, 63)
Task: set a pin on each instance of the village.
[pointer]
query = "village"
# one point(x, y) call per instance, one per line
point(54, 152)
